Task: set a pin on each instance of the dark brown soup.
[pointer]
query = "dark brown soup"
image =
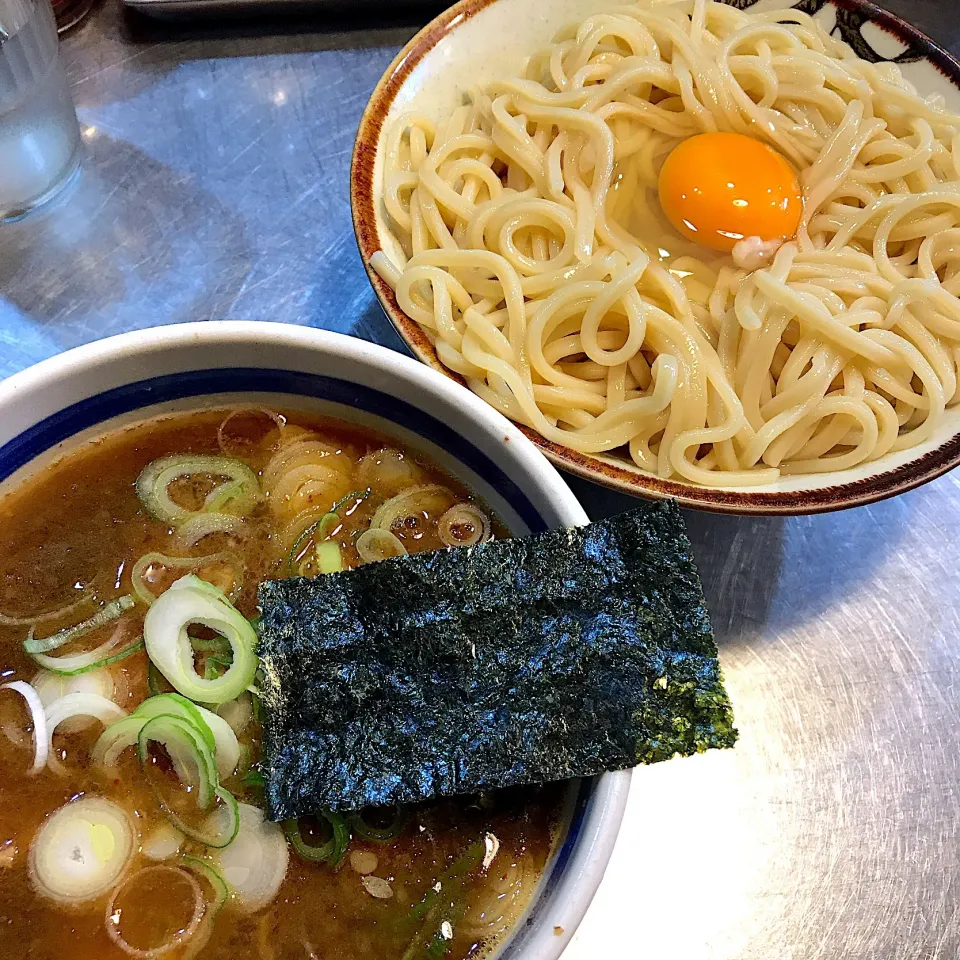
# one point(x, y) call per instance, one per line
point(109, 875)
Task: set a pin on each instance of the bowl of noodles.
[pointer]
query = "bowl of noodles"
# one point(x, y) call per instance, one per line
point(693, 249)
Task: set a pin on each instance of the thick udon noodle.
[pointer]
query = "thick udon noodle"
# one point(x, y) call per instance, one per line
point(537, 258)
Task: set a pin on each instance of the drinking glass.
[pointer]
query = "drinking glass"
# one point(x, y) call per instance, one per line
point(39, 135)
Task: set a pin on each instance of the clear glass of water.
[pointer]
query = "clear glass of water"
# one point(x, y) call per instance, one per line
point(39, 136)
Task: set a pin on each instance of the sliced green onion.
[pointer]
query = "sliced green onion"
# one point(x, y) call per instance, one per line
point(253, 779)
point(162, 843)
point(360, 495)
point(376, 545)
point(218, 645)
point(172, 704)
point(329, 558)
point(223, 496)
point(298, 545)
point(408, 503)
point(192, 758)
point(377, 833)
point(255, 864)
point(112, 611)
point(322, 530)
point(78, 705)
point(191, 600)
point(204, 869)
point(332, 851)
point(85, 662)
point(156, 681)
point(328, 525)
point(196, 767)
point(258, 711)
point(195, 565)
point(192, 531)
point(239, 492)
point(81, 851)
point(217, 735)
point(52, 686)
point(238, 713)
point(158, 881)
point(214, 668)
point(21, 620)
point(244, 761)
point(440, 945)
point(218, 897)
point(456, 875)
point(463, 525)
point(217, 657)
point(115, 739)
point(387, 471)
point(279, 421)
point(216, 732)
point(38, 719)
point(444, 902)
point(226, 744)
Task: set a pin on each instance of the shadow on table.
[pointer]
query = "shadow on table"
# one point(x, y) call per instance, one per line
point(99, 259)
point(355, 24)
point(372, 324)
point(765, 575)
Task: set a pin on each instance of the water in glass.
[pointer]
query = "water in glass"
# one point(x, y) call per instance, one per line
point(39, 134)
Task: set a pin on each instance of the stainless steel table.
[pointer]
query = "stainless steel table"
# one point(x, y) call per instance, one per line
point(216, 186)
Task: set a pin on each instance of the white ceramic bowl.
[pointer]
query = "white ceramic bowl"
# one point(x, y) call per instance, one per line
point(476, 41)
point(52, 407)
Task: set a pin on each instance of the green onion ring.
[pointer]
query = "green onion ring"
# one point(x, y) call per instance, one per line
point(193, 564)
point(329, 557)
point(299, 542)
point(112, 611)
point(156, 682)
point(242, 487)
point(85, 662)
point(183, 740)
point(221, 893)
point(323, 529)
point(380, 834)
point(191, 600)
point(192, 531)
point(332, 851)
point(18, 620)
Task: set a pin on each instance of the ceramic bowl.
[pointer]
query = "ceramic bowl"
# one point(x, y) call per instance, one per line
point(477, 40)
point(53, 407)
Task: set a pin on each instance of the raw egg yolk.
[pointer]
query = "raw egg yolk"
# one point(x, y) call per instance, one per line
point(720, 188)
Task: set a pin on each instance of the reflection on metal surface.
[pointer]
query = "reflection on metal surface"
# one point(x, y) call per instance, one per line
point(832, 831)
point(200, 196)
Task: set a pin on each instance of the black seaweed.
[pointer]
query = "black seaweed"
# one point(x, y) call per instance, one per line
point(560, 655)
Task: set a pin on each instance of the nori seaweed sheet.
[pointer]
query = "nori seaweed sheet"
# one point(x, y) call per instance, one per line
point(520, 661)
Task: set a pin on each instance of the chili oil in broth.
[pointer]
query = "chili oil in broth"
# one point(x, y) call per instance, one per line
point(74, 532)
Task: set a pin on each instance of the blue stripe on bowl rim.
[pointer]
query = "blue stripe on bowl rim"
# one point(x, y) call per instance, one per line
point(101, 407)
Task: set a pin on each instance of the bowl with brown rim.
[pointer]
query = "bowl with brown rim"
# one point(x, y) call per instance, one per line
point(477, 40)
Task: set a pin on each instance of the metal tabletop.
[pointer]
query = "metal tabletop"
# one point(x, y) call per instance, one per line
point(216, 186)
